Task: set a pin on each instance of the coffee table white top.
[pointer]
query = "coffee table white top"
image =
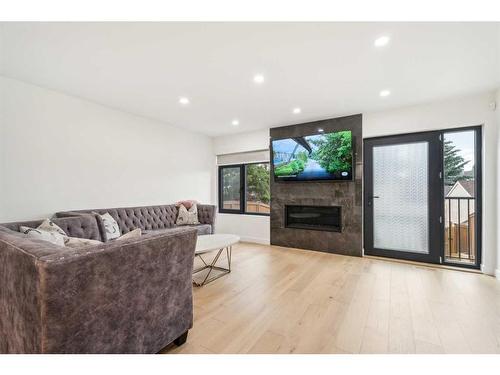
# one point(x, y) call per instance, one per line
point(217, 241)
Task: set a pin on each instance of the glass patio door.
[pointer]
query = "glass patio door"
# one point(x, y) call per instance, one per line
point(402, 197)
point(462, 197)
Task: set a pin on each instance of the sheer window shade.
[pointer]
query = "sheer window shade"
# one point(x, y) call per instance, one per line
point(243, 157)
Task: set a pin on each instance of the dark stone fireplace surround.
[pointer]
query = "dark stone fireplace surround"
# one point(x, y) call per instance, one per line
point(345, 194)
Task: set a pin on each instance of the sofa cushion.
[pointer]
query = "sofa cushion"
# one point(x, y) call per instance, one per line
point(83, 226)
point(201, 228)
point(79, 242)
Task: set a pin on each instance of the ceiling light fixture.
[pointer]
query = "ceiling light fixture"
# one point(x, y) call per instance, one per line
point(297, 110)
point(183, 100)
point(384, 93)
point(320, 130)
point(258, 78)
point(235, 122)
point(381, 41)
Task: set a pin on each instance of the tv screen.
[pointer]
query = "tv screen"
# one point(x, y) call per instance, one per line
point(325, 156)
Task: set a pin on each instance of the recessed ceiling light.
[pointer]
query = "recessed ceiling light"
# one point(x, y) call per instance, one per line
point(183, 100)
point(385, 93)
point(381, 41)
point(235, 122)
point(297, 110)
point(258, 78)
point(320, 130)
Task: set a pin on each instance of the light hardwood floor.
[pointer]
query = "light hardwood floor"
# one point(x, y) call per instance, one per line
point(281, 300)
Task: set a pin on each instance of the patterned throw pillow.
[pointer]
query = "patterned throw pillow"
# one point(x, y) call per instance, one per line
point(186, 217)
point(39, 234)
point(136, 233)
point(49, 226)
point(111, 227)
point(79, 242)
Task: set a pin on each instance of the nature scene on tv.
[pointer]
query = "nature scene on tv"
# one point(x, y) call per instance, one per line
point(314, 157)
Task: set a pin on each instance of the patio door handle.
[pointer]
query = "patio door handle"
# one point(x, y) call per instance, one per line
point(371, 198)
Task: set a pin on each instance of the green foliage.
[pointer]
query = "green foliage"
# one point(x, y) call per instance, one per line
point(302, 155)
point(294, 167)
point(231, 184)
point(334, 152)
point(258, 183)
point(454, 164)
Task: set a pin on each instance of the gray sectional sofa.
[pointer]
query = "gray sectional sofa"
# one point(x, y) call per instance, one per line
point(128, 296)
point(151, 218)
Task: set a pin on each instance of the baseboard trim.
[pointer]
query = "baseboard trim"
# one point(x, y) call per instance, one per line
point(260, 241)
point(497, 273)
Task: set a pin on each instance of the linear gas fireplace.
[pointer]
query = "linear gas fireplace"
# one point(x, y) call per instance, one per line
point(326, 218)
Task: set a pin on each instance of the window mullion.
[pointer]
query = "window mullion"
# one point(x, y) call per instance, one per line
point(243, 190)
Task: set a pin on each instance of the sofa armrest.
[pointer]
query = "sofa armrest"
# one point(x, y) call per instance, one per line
point(206, 215)
point(19, 300)
point(132, 296)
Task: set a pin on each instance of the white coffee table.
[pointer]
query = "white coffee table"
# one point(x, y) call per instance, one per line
point(212, 242)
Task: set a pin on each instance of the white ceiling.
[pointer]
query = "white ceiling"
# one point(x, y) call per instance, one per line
point(327, 69)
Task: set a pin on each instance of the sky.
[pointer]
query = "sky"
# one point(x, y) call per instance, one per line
point(464, 141)
point(287, 145)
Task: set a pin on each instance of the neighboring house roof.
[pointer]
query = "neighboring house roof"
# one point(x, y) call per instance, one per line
point(469, 173)
point(447, 189)
point(467, 185)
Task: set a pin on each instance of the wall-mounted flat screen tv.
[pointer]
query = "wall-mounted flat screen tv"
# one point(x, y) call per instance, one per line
point(324, 156)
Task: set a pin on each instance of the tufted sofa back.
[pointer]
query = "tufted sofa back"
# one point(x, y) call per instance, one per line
point(83, 226)
point(146, 217)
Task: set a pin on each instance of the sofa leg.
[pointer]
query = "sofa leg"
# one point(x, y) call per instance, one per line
point(181, 339)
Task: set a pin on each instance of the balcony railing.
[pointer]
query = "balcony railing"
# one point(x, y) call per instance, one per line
point(460, 229)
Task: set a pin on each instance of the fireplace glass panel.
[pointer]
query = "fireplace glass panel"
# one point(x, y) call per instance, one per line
point(326, 218)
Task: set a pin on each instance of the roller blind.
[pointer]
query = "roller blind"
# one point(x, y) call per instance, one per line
point(243, 157)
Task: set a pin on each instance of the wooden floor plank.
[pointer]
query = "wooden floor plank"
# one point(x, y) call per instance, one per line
point(282, 300)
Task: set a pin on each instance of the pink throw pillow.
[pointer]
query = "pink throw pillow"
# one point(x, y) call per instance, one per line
point(188, 203)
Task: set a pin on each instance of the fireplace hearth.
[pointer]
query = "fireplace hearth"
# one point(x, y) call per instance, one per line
point(324, 218)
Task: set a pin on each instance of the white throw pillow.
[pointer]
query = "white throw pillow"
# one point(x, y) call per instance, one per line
point(49, 226)
point(186, 217)
point(79, 242)
point(136, 233)
point(39, 234)
point(111, 227)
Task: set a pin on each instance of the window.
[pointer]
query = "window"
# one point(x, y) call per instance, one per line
point(230, 186)
point(244, 189)
point(461, 152)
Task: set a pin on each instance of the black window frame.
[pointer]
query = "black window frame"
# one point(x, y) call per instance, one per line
point(243, 195)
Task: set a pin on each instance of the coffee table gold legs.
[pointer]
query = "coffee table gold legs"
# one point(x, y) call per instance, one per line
point(212, 266)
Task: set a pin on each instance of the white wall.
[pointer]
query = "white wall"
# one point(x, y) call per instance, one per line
point(59, 152)
point(242, 142)
point(456, 112)
point(250, 228)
